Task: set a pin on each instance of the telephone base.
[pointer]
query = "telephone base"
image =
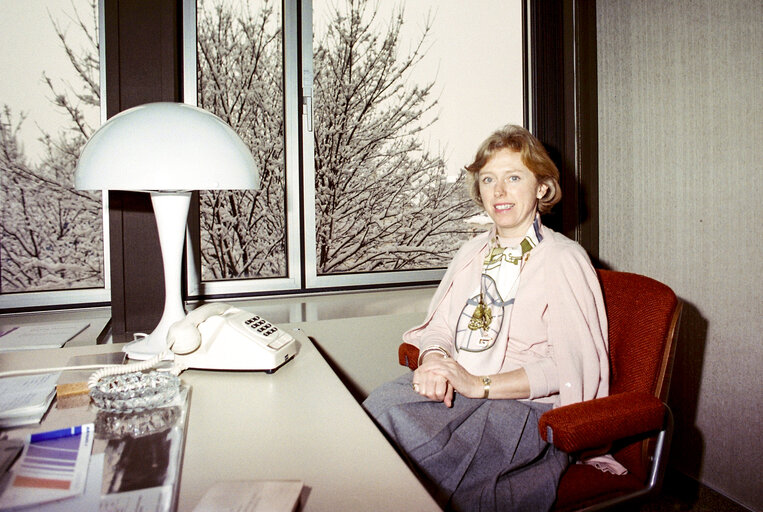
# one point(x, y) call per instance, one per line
point(231, 339)
point(220, 368)
point(273, 370)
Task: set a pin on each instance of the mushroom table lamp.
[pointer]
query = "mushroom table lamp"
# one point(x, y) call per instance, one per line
point(167, 150)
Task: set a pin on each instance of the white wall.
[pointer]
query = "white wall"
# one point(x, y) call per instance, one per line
point(680, 156)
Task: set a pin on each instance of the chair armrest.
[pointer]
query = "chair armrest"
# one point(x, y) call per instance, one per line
point(596, 423)
point(590, 424)
point(408, 355)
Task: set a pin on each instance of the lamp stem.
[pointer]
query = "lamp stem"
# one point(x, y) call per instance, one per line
point(171, 211)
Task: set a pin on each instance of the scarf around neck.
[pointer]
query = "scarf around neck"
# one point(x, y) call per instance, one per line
point(484, 314)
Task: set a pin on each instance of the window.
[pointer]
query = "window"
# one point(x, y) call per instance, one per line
point(361, 114)
point(237, 52)
point(369, 149)
point(51, 236)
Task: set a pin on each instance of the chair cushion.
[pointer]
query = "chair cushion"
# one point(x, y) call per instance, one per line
point(582, 485)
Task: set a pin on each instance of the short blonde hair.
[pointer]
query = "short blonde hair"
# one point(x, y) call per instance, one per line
point(534, 156)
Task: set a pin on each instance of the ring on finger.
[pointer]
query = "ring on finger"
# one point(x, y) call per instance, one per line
point(415, 387)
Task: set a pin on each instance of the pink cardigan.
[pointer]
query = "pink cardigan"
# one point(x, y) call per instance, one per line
point(558, 330)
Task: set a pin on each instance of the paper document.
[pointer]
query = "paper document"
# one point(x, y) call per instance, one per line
point(90, 500)
point(154, 498)
point(43, 335)
point(53, 466)
point(252, 496)
point(25, 399)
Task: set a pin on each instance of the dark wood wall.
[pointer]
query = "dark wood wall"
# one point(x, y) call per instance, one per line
point(143, 65)
point(564, 109)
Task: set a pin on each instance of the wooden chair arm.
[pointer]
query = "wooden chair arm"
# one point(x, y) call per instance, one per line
point(596, 423)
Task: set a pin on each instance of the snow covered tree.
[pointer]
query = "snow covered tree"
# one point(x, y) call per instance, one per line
point(50, 234)
point(383, 201)
point(240, 79)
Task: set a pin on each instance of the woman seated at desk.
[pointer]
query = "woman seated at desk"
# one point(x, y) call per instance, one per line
point(517, 326)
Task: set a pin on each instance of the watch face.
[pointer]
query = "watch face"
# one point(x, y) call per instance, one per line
point(479, 322)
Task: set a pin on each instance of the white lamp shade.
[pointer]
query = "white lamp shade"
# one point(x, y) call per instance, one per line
point(165, 146)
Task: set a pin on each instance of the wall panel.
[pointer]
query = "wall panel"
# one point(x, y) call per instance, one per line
point(680, 151)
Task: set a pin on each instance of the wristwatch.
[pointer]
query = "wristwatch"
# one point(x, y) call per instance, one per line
point(486, 383)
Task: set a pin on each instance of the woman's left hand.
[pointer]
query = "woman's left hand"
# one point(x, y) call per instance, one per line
point(463, 382)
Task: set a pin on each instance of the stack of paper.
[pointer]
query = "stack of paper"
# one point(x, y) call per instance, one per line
point(41, 335)
point(24, 400)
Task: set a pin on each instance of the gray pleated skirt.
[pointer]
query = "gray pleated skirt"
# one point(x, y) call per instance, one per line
point(480, 454)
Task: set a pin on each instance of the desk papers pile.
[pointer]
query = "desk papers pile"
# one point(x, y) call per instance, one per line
point(24, 400)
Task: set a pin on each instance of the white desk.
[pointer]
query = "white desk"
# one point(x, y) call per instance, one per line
point(299, 423)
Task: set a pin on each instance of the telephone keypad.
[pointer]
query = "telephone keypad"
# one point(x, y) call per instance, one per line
point(274, 338)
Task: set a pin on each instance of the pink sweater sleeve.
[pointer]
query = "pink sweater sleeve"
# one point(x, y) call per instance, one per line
point(441, 327)
point(543, 377)
point(577, 325)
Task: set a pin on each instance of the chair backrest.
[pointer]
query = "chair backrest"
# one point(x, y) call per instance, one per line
point(643, 321)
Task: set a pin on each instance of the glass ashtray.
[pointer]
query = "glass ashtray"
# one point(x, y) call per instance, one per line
point(135, 391)
point(118, 425)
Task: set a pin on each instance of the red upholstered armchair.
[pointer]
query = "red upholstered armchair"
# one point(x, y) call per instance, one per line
point(634, 423)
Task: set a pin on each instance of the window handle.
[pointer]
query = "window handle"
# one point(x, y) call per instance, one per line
point(307, 111)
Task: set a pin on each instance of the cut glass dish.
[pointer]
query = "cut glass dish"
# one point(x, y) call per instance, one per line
point(134, 392)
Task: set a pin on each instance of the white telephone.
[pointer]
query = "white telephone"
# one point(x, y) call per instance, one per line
point(216, 336)
point(219, 336)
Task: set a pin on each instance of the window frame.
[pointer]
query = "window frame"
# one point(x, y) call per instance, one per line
point(338, 280)
point(20, 301)
point(293, 280)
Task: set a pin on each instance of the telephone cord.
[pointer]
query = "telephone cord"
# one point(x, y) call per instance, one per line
point(140, 366)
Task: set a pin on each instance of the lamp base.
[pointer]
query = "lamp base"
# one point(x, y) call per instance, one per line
point(171, 210)
point(149, 346)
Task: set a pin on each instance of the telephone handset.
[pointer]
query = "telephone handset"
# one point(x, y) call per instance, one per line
point(218, 336)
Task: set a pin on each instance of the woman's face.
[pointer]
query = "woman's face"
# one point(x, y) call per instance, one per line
point(510, 193)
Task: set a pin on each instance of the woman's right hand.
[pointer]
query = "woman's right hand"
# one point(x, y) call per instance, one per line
point(431, 385)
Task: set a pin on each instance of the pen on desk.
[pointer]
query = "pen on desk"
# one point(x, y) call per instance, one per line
point(56, 434)
point(3, 333)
